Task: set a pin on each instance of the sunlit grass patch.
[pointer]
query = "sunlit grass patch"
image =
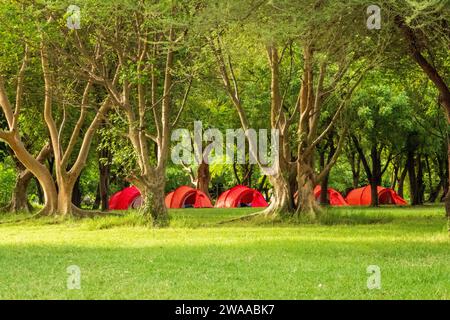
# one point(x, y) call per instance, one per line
point(121, 257)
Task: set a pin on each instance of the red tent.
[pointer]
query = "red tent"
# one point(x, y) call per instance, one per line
point(241, 196)
point(335, 198)
point(125, 199)
point(185, 196)
point(362, 197)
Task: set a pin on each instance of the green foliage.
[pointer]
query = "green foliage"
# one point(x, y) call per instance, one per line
point(395, 106)
point(7, 181)
point(382, 114)
point(175, 178)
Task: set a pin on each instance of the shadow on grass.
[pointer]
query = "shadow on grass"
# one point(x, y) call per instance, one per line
point(134, 219)
point(211, 218)
point(354, 217)
point(327, 217)
point(266, 266)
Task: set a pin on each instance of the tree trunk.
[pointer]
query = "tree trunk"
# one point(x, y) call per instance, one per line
point(203, 178)
point(247, 177)
point(394, 177)
point(19, 200)
point(434, 192)
point(40, 193)
point(442, 173)
point(65, 191)
point(413, 188)
point(419, 179)
point(40, 172)
point(307, 205)
point(153, 204)
point(375, 180)
point(401, 181)
point(76, 194)
point(324, 191)
point(323, 199)
point(374, 193)
point(104, 173)
point(281, 201)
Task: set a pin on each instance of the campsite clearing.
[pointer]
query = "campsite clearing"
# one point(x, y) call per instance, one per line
point(196, 258)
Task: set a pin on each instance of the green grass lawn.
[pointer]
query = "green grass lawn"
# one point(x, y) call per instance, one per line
point(197, 258)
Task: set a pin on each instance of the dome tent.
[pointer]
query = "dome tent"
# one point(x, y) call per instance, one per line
point(334, 197)
point(187, 197)
point(241, 196)
point(128, 198)
point(362, 196)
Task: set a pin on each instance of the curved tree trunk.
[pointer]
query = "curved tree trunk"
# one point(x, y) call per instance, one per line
point(281, 202)
point(41, 173)
point(19, 200)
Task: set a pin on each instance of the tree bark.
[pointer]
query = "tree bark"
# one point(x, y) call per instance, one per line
point(19, 200)
point(65, 191)
point(355, 162)
point(413, 183)
point(420, 183)
point(40, 193)
point(104, 173)
point(401, 181)
point(307, 205)
point(281, 202)
point(153, 204)
point(324, 191)
point(40, 172)
point(394, 177)
point(203, 178)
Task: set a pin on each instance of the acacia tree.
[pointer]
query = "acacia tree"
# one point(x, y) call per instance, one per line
point(33, 135)
point(379, 126)
point(425, 31)
point(149, 42)
point(11, 135)
point(66, 175)
point(329, 71)
point(58, 194)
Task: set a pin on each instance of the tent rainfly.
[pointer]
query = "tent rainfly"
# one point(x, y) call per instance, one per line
point(241, 196)
point(128, 198)
point(334, 197)
point(362, 197)
point(187, 197)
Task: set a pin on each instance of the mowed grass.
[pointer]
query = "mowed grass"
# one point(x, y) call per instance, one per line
point(198, 258)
